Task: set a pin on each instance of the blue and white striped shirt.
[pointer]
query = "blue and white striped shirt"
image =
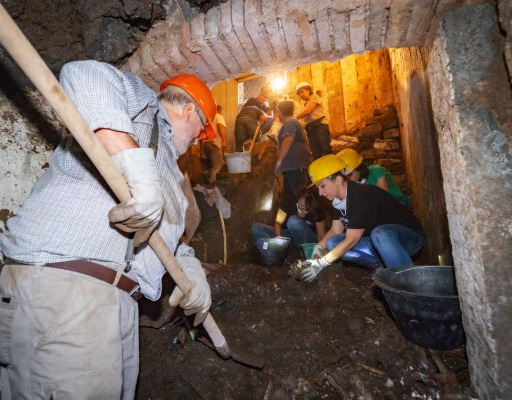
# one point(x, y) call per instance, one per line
point(66, 215)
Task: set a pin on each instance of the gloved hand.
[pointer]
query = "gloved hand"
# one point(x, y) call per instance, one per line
point(143, 211)
point(312, 268)
point(277, 169)
point(199, 298)
point(318, 252)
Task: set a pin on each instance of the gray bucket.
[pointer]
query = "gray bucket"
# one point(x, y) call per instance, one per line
point(424, 303)
point(270, 252)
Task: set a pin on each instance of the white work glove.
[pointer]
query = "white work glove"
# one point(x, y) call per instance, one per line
point(318, 252)
point(312, 268)
point(277, 169)
point(199, 298)
point(143, 211)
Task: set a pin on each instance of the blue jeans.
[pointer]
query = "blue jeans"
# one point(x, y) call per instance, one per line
point(297, 229)
point(394, 243)
point(363, 253)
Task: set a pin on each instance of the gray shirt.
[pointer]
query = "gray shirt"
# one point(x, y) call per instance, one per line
point(318, 111)
point(66, 215)
point(298, 155)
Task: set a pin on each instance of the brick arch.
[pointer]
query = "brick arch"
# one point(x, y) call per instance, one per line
point(262, 35)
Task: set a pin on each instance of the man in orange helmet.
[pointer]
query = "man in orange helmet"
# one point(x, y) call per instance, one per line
point(72, 276)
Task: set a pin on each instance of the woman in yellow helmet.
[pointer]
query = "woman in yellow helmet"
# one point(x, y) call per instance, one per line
point(378, 225)
point(375, 174)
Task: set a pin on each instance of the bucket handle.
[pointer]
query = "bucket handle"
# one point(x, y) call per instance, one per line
point(389, 288)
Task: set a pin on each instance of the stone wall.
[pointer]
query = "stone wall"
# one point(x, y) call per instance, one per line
point(29, 131)
point(420, 148)
point(378, 143)
point(473, 115)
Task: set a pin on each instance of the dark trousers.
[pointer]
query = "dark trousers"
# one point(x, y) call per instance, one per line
point(320, 141)
point(244, 129)
point(293, 182)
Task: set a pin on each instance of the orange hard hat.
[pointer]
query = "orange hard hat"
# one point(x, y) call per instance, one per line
point(201, 94)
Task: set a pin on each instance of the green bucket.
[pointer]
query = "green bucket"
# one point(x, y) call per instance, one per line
point(307, 249)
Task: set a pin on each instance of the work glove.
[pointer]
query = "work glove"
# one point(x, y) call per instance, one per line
point(199, 298)
point(277, 169)
point(143, 211)
point(318, 252)
point(311, 268)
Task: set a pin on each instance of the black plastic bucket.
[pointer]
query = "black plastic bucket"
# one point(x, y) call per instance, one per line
point(270, 252)
point(424, 303)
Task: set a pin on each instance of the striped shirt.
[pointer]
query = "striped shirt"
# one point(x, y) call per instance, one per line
point(66, 215)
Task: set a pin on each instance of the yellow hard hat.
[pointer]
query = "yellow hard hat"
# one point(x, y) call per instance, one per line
point(351, 158)
point(325, 166)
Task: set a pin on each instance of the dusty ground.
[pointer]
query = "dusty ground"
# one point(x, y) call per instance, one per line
point(331, 339)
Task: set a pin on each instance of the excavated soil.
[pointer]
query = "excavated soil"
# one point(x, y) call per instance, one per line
point(332, 339)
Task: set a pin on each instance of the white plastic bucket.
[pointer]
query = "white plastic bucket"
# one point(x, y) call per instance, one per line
point(238, 163)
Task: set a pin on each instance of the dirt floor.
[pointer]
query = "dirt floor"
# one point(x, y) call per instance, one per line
point(332, 339)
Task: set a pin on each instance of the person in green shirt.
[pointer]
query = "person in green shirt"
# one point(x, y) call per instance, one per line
point(375, 175)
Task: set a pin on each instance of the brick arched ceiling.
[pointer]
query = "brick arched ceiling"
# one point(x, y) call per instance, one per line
point(263, 36)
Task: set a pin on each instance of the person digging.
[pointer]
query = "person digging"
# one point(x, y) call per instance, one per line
point(71, 279)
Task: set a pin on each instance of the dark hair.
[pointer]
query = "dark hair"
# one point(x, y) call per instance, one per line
point(286, 107)
point(219, 107)
point(312, 201)
point(338, 173)
point(363, 171)
point(308, 87)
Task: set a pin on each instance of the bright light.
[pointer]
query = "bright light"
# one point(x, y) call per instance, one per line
point(266, 204)
point(278, 83)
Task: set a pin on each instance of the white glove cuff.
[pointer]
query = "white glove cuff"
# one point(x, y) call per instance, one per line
point(323, 262)
point(137, 164)
point(191, 266)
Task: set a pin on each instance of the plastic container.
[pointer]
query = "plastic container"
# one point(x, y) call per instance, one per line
point(270, 252)
point(424, 303)
point(238, 163)
point(307, 249)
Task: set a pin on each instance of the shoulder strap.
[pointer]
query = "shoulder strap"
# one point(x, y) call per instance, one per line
point(153, 143)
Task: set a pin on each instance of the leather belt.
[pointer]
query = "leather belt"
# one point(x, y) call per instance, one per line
point(98, 271)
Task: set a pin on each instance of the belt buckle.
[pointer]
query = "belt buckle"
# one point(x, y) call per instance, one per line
point(136, 293)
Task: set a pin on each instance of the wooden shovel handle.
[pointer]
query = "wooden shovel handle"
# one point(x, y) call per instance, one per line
point(35, 68)
point(254, 136)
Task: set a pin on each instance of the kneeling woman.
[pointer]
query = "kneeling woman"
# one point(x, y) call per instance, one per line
point(303, 221)
point(376, 223)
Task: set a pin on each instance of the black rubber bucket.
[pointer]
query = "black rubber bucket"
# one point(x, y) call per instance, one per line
point(424, 303)
point(270, 252)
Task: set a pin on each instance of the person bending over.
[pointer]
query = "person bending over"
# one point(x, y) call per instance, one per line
point(377, 225)
point(71, 279)
point(302, 221)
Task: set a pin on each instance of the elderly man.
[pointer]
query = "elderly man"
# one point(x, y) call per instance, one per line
point(69, 289)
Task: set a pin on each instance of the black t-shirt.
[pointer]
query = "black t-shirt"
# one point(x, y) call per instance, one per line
point(252, 102)
point(251, 112)
point(370, 206)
